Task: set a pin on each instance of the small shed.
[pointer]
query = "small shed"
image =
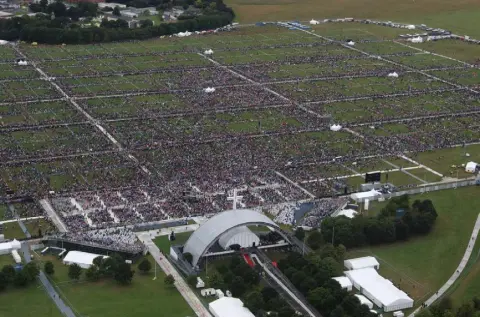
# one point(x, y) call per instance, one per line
point(471, 167)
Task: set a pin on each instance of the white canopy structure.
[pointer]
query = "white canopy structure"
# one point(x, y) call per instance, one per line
point(362, 263)
point(379, 290)
point(349, 213)
point(208, 52)
point(8, 247)
point(229, 307)
point(209, 90)
point(394, 74)
point(370, 195)
point(471, 167)
point(335, 127)
point(351, 43)
point(314, 22)
point(411, 27)
point(364, 301)
point(183, 34)
point(417, 39)
point(242, 236)
point(344, 282)
point(22, 63)
point(3, 42)
point(83, 259)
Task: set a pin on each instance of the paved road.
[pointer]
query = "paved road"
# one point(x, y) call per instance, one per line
point(64, 309)
point(180, 283)
point(459, 269)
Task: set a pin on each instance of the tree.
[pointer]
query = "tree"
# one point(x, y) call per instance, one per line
point(145, 266)
point(146, 23)
point(21, 279)
point(192, 280)
point(215, 280)
point(299, 233)
point(465, 310)
point(254, 301)
point(74, 271)
point(48, 268)
point(340, 252)
point(424, 312)
point(314, 239)
point(238, 287)
point(116, 11)
point(3, 281)
point(31, 271)
point(146, 13)
point(92, 273)
point(124, 273)
point(9, 272)
point(169, 280)
point(188, 257)
point(212, 5)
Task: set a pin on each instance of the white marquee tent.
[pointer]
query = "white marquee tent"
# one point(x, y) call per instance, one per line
point(344, 282)
point(362, 263)
point(370, 195)
point(314, 22)
point(364, 301)
point(8, 247)
point(379, 290)
point(209, 89)
point(349, 213)
point(351, 43)
point(208, 52)
point(229, 307)
point(335, 127)
point(394, 74)
point(83, 259)
point(471, 167)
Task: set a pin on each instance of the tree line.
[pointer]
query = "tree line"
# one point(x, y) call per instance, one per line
point(312, 276)
point(61, 30)
point(18, 278)
point(397, 221)
point(445, 308)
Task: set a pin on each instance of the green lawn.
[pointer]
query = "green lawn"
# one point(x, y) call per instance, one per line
point(106, 298)
point(31, 301)
point(12, 230)
point(163, 243)
point(422, 265)
point(6, 259)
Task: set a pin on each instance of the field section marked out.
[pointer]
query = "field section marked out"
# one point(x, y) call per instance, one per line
point(458, 272)
point(263, 87)
point(295, 184)
point(421, 165)
point(391, 62)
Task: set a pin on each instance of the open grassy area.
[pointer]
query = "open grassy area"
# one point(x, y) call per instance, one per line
point(107, 299)
point(164, 244)
point(31, 301)
point(422, 265)
point(5, 260)
point(12, 230)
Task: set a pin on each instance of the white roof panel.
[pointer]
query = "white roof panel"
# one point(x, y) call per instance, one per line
point(229, 307)
point(361, 263)
point(80, 257)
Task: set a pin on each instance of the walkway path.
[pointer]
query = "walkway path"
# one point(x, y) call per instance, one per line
point(53, 215)
point(64, 309)
point(459, 270)
point(180, 283)
point(22, 219)
point(20, 222)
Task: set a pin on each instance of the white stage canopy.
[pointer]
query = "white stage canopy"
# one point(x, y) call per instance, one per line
point(83, 259)
point(379, 290)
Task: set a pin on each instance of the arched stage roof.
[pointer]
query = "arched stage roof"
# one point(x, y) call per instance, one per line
point(205, 236)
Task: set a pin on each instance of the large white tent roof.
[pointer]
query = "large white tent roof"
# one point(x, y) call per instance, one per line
point(379, 289)
point(83, 259)
point(349, 213)
point(361, 263)
point(343, 281)
point(229, 307)
point(364, 301)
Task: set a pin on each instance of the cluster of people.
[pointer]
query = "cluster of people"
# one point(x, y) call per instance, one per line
point(322, 209)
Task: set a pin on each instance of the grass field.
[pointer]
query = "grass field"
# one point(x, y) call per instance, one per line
point(107, 299)
point(422, 265)
point(163, 243)
point(12, 230)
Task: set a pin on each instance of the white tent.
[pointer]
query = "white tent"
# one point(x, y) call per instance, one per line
point(416, 40)
point(364, 301)
point(471, 167)
point(208, 52)
point(351, 43)
point(183, 34)
point(370, 195)
point(379, 290)
point(3, 42)
point(8, 247)
point(314, 22)
point(411, 27)
point(335, 127)
point(209, 89)
point(16, 245)
point(229, 307)
point(83, 259)
point(344, 282)
point(394, 74)
point(22, 63)
point(362, 263)
point(349, 213)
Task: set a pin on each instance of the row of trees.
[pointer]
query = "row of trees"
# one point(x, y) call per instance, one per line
point(244, 283)
point(445, 308)
point(57, 31)
point(397, 221)
point(20, 278)
point(312, 276)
